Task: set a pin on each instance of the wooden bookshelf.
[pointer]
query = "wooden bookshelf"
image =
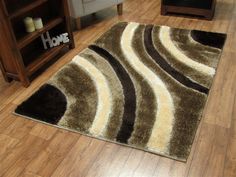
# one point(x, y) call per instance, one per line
point(22, 53)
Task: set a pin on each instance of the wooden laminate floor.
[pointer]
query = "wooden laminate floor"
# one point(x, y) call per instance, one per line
point(32, 149)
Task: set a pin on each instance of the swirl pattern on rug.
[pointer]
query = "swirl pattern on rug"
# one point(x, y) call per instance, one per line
point(142, 86)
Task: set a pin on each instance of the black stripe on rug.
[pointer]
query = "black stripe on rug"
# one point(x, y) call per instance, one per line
point(216, 40)
point(128, 121)
point(148, 42)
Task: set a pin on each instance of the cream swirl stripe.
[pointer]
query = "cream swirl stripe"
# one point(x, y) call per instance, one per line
point(104, 106)
point(165, 38)
point(161, 132)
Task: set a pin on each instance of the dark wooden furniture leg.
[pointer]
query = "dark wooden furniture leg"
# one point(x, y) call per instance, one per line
point(120, 9)
point(7, 79)
point(163, 10)
point(78, 23)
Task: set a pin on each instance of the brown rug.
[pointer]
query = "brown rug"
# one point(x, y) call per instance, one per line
point(143, 86)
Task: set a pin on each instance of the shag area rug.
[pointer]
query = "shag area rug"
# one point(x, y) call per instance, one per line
point(138, 85)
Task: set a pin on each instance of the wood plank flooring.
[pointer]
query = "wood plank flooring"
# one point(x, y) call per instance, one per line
point(31, 149)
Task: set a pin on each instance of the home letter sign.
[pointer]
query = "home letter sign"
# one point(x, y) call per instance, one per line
point(55, 41)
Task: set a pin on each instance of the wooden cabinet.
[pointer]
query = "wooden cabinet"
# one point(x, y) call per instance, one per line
point(201, 8)
point(22, 53)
